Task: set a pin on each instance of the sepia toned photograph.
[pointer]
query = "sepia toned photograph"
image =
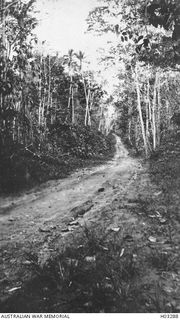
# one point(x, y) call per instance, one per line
point(89, 157)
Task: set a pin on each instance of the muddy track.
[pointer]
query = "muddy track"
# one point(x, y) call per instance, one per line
point(42, 221)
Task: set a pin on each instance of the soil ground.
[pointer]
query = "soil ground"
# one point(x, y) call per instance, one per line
point(104, 239)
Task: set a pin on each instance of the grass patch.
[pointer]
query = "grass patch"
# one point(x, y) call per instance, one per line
point(100, 273)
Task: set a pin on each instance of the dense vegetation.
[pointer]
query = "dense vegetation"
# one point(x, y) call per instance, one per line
point(144, 54)
point(50, 105)
point(50, 113)
point(54, 118)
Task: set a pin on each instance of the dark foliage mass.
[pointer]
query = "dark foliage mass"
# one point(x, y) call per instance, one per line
point(50, 108)
point(166, 14)
point(67, 148)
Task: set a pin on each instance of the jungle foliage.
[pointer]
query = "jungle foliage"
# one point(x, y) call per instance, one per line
point(145, 53)
point(49, 105)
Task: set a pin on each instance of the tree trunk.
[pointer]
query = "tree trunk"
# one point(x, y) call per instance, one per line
point(2, 24)
point(101, 117)
point(87, 108)
point(159, 107)
point(40, 92)
point(154, 113)
point(168, 120)
point(72, 102)
point(148, 115)
point(140, 111)
point(48, 81)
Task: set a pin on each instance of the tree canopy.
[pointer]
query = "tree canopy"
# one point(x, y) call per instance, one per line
point(145, 52)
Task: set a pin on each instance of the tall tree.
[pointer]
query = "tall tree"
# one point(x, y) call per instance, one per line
point(142, 35)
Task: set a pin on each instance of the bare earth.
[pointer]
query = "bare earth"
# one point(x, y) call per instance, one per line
point(49, 217)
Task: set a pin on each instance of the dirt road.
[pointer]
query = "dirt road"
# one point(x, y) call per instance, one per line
point(29, 220)
point(47, 218)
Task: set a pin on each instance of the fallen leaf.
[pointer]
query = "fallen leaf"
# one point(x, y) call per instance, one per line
point(158, 214)
point(108, 285)
point(104, 248)
point(14, 289)
point(168, 304)
point(88, 304)
point(73, 223)
point(162, 220)
point(80, 246)
point(90, 259)
point(168, 289)
point(115, 229)
point(27, 263)
point(122, 252)
point(134, 257)
point(152, 239)
point(157, 193)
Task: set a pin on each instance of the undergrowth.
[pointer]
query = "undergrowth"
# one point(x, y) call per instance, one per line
point(67, 148)
point(100, 273)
